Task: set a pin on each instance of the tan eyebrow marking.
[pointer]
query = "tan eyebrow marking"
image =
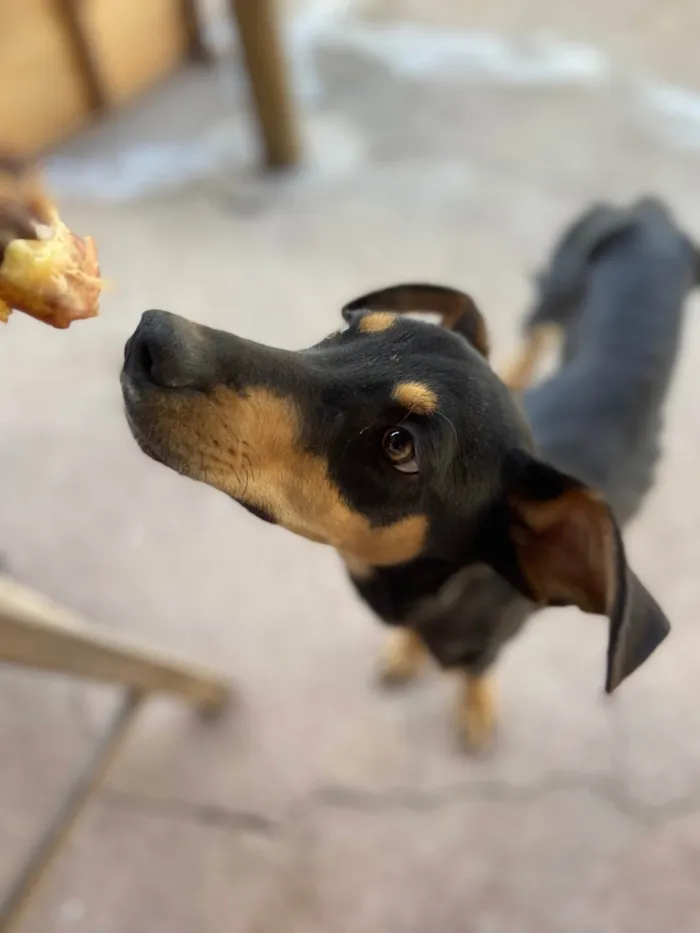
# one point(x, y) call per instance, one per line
point(416, 397)
point(376, 322)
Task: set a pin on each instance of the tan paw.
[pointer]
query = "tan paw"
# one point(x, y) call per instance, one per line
point(476, 713)
point(401, 659)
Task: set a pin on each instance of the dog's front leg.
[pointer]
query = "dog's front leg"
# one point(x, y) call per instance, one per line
point(404, 652)
point(477, 715)
point(402, 657)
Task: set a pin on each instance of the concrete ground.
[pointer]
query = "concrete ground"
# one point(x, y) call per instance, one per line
point(320, 804)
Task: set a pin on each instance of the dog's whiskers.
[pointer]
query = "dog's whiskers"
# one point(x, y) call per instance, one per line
point(445, 418)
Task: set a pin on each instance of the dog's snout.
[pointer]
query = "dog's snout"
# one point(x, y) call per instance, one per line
point(137, 354)
point(167, 351)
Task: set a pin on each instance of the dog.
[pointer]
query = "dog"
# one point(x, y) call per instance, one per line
point(613, 297)
point(394, 442)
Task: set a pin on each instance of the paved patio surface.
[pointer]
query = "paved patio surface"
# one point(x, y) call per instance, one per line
point(320, 804)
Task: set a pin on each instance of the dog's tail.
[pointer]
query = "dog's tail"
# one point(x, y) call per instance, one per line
point(650, 209)
point(561, 285)
point(560, 288)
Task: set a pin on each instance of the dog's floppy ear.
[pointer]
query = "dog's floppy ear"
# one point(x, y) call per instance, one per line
point(457, 310)
point(559, 545)
point(580, 244)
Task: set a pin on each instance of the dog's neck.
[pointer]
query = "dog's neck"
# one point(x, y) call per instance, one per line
point(394, 592)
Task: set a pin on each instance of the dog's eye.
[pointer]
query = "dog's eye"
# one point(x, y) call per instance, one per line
point(400, 449)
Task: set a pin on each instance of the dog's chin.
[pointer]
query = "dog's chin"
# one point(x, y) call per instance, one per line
point(146, 444)
point(140, 430)
point(155, 452)
point(159, 445)
point(258, 512)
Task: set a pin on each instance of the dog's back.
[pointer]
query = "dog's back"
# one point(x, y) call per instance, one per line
point(616, 288)
point(619, 300)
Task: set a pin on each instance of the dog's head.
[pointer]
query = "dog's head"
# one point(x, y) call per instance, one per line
point(390, 440)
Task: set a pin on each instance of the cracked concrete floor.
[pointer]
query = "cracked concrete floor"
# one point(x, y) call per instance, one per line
point(320, 804)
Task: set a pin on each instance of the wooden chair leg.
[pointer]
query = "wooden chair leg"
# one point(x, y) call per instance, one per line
point(258, 29)
point(196, 46)
point(18, 897)
point(36, 632)
point(69, 12)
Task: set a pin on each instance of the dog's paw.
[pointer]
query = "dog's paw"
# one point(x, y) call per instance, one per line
point(476, 714)
point(402, 657)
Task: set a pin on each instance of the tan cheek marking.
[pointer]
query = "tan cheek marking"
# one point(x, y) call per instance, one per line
point(358, 569)
point(377, 322)
point(248, 447)
point(416, 397)
point(391, 544)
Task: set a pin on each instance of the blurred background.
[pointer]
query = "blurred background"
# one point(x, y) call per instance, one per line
point(438, 140)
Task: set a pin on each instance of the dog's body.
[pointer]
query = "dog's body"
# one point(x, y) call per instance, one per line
point(616, 290)
point(600, 416)
point(395, 443)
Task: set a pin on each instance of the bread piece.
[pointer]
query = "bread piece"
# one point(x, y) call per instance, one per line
point(46, 271)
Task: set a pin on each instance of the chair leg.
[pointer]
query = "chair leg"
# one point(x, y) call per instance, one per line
point(86, 57)
point(196, 46)
point(87, 781)
point(36, 632)
point(258, 29)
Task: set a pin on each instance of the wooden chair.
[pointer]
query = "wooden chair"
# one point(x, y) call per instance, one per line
point(259, 33)
point(37, 633)
point(262, 49)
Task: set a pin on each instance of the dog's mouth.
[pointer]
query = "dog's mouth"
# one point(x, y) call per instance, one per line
point(138, 430)
point(199, 402)
point(159, 417)
point(159, 404)
point(189, 432)
point(240, 442)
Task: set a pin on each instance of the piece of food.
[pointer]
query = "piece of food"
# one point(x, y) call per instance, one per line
point(46, 270)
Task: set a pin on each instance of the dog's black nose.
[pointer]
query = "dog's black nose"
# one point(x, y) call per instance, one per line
point(168, 351)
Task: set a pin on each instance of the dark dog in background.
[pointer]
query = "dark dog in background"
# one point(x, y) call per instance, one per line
point(394, 442)
point(615, 292)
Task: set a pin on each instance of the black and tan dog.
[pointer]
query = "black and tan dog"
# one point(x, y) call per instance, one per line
point(394, 442)
point(613, 297)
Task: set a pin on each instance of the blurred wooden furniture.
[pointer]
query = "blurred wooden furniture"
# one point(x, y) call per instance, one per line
point(37, 633)
point(68, 62)
point(259, 33)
